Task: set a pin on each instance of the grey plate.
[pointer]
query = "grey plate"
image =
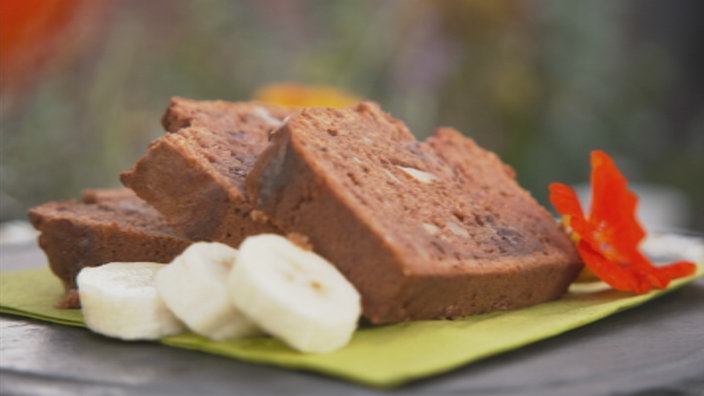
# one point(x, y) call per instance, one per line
point(654, 349)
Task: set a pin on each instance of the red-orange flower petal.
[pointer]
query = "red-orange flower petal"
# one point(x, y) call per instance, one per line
point(565, 200)
point(678, 269)
point(613, 208)
point(617, 277)
point(608, 240)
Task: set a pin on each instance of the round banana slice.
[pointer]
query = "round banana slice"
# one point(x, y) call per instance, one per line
point(294, 294)
point(120, 300)
point(194, 287)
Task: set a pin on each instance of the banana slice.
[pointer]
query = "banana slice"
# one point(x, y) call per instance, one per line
point(120, 300)
point(194, 287)
point(294, 294)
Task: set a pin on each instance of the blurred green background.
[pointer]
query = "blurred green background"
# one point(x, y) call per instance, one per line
point(542, 83)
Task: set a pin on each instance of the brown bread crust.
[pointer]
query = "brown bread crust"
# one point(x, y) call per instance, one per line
point(104, 226)
point(195, 176)
point(220, 116)
point(438, 229)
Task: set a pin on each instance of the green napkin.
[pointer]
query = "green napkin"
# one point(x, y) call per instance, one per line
point(33, 293)
point(381, 356)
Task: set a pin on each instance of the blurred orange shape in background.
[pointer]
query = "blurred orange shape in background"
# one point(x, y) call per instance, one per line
point(33, 33)
point(299, 95)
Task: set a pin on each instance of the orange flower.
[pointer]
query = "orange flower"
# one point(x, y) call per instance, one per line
point(299, 95)
point(608, 239)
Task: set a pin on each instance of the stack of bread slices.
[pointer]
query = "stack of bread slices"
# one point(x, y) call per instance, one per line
point(422, 229)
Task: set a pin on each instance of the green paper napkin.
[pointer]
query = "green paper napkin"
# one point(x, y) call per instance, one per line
point(401, 353)
point(33, 293)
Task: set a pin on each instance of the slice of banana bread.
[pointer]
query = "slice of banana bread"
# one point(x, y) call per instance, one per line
point(424, 230)
point(104, 226)
point(195, 176)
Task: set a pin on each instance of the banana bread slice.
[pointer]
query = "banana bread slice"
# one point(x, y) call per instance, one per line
point(424, 230)
point(103, 226)
point(195, 176)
